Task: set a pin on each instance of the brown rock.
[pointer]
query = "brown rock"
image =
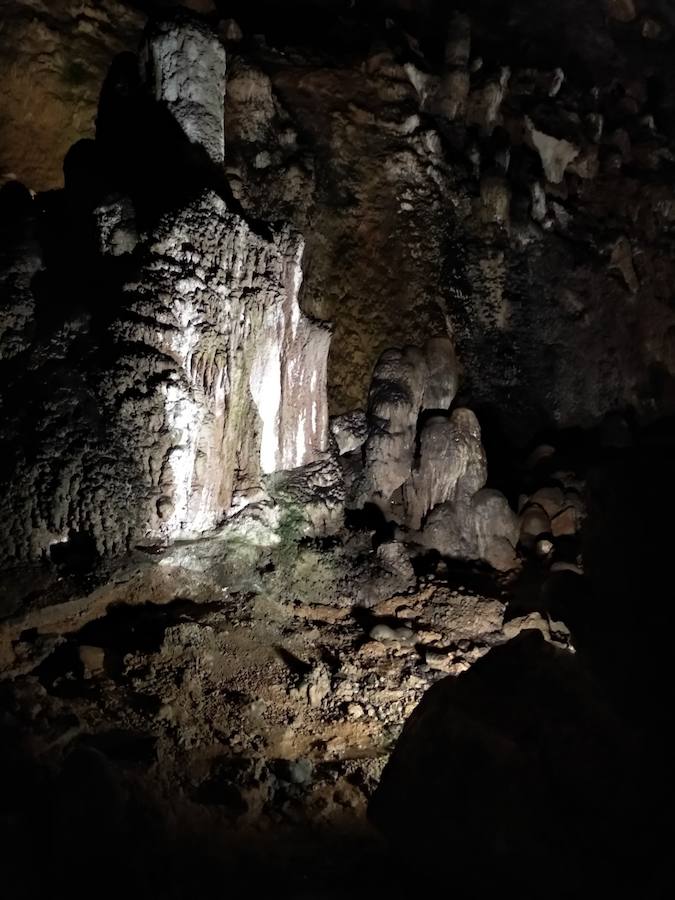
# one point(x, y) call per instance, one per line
point(550, 499)
point(51, 74)
point(92, 659)
point(534, 521)
point(565, 523)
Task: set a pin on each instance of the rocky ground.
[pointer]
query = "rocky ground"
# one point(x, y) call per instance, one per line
point(252, 718)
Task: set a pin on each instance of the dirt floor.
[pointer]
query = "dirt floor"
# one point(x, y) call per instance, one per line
point(151, 702)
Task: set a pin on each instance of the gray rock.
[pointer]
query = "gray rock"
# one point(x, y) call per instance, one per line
point(116, 225)
point(393, 559)
point(318, 685)
point(20, 260)
point(394, 402)
point(442, 373)
point(215, 379)
point(350, 430)
point(496, 529)
point(185, 69)
point(316, 493)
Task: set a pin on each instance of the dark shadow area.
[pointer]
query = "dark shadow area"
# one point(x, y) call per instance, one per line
point(102, 821)
point(543, 767)
point(518, 770)
point(75, 555)
point(371, 518)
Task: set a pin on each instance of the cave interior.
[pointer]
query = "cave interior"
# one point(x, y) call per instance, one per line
point(337, 444)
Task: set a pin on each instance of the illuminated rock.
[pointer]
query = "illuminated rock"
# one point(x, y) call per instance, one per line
point(185, 64)
point(452, 465)
point(161, 413)
point(405, 382)
point(483, 527)
point(247, 395)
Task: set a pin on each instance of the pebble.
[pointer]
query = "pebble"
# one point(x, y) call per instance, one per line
point(544, 547)
point(355, 711)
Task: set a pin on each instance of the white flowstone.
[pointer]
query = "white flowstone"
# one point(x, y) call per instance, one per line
point(249, 394)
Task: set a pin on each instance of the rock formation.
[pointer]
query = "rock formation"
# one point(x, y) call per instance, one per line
point(513, 168)
point(160, 417)
point(259, 571)
point(423, 466)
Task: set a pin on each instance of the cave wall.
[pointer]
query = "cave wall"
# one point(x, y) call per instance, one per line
point(507, 180)
point(54, 56)
point(505, 177)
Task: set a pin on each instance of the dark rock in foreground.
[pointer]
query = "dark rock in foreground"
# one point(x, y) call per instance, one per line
point(517, 776)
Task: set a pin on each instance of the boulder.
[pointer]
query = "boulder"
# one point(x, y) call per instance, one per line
point(508, 769)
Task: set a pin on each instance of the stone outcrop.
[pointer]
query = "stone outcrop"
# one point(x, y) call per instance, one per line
point(162, 414)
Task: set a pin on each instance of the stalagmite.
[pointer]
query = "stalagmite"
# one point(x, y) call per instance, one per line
point(208, 376)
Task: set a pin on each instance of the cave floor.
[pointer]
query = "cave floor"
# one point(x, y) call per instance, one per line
point(247, 729)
